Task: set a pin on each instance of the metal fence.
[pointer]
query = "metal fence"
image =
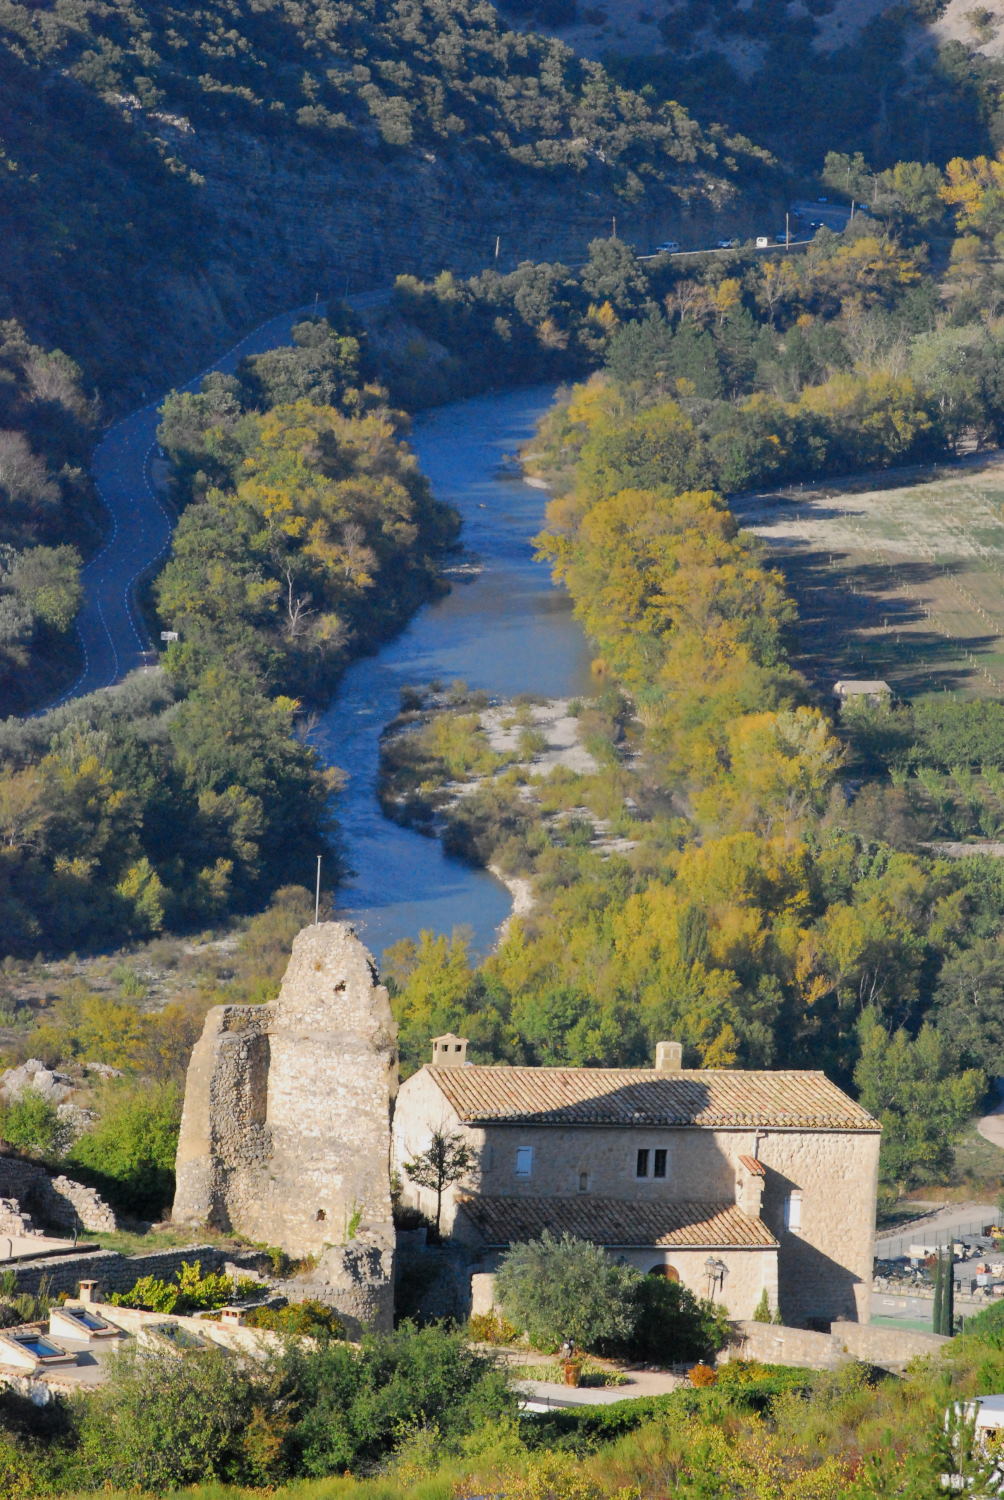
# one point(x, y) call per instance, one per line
point(891, 1247)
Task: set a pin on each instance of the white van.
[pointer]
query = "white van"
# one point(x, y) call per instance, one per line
point(762, 241)
point(668, 247)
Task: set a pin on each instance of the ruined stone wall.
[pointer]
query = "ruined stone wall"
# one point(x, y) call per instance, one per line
point(285, 1134)
point(58, 1202)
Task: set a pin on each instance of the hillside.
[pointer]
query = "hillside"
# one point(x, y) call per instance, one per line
point(174, 173)
point(803, 77)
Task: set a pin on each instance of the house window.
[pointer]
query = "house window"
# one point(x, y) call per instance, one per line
point(583, 1182)
point(524, 1161)
point(793, 1212)
point(641, 1166)
point(659, 1162)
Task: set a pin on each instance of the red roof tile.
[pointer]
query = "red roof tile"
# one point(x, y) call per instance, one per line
point(643, 1096)
point(618, 1221)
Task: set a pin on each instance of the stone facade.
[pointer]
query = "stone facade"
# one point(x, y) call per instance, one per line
point(811, 1185)
point(285, 1134)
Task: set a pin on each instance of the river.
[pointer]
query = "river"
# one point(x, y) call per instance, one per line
point(508, 630)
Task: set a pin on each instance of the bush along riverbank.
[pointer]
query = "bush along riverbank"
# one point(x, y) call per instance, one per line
point(307, 533)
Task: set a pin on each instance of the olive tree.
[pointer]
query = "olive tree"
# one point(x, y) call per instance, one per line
point(558, 1288)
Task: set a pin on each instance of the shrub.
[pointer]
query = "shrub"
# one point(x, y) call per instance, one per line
point(671, 1325)
point(32, 1123)
point(492, 1328)
point(129, 1154)
point(701, 1375)
point(161, 1422)
point(354, 1406)
point(567, 1288)
point(302, 1319)
point(190, 1292)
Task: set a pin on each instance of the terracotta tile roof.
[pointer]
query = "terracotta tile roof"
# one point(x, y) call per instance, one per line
point(618, 1221)
point(643, 1096)
point(756, 1168)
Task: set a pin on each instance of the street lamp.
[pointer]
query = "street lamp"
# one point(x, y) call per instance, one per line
point(716, 1271)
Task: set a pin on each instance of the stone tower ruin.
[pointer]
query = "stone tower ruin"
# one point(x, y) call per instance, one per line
point(285, 1133)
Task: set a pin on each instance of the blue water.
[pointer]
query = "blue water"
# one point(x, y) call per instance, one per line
point(508, 631)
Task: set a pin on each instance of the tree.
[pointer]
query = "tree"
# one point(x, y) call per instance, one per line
point(970, 1004)
point(943, 1311)
point(916, 1089)
point(558, 1288)
point(130, 1152)
point(443, 1162)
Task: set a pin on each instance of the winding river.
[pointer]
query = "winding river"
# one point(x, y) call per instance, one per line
point(507, 630)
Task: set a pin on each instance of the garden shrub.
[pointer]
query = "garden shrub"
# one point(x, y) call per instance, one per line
point(492, 1328)
point(309, 1318)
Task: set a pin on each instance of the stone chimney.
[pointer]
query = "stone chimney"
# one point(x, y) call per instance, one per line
point(668, 1057)
point(449, 1051)
point(749, 1185)
point(87, 1293)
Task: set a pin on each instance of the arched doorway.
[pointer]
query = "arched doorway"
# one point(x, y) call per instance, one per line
point(666, 1270)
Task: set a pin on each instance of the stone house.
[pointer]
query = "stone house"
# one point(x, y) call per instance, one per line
point(873, 691)
point(734, 1183)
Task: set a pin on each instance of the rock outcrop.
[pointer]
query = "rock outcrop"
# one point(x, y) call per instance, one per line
point(285, 1134)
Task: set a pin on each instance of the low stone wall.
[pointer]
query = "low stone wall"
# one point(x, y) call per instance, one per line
point(878, 1344)
point(776, 1344)
point(115, 1272)
point(888, 1348)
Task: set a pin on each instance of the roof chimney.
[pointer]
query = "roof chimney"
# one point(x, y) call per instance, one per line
point(668, 1057)
point(449, 1051)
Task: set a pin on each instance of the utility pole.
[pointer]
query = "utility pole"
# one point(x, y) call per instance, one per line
point(613, 226)
point(787, 230)
point(317, 894)
point(498, 241)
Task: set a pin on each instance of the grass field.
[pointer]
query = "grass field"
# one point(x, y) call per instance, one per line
point(903, 581)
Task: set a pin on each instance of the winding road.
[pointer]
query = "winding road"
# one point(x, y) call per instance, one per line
point(113, 636)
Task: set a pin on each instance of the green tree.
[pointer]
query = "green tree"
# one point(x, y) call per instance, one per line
point(130, 1152)
point(31, 1122)
point(445, 1160)
point(562, 1287)
point(969, 1004)
point(916, 1089)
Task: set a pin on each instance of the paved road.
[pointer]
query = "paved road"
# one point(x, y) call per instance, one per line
point(113, 636)
point(967, 1219)
point(991, 1127)
point(833, 215)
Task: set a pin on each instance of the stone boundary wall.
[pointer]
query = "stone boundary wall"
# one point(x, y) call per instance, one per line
point(888, 1348)
point(59, 1202)
point(115, 1272)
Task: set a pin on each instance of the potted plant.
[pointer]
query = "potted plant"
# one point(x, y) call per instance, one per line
point(573, 1370)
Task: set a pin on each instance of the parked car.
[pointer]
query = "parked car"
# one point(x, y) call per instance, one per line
point(782, 236)
point(668, 247)
point(728, 244)
point(762, 241)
